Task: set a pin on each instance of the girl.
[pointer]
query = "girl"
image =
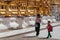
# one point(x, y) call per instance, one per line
point(37, 24)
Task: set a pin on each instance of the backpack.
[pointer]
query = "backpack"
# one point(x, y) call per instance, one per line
point(51, 28)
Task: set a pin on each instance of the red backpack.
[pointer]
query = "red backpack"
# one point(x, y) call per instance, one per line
point(50, 28)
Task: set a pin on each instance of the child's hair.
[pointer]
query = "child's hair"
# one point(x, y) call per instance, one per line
point(48, 21)
point(38, 15)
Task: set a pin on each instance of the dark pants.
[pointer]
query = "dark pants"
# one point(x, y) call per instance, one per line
point(37, 28)
point(49, 34)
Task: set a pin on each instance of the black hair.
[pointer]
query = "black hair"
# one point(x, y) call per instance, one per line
point(38, 15)
point(48, 21)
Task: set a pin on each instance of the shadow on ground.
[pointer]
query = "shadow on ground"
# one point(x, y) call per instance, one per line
point(29, 36)
point(44, 38)
point(39, 38)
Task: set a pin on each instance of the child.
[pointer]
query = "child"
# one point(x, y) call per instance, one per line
point(37, 24)
point(49, 28)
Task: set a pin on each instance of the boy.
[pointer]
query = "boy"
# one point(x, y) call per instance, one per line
point(49, 28)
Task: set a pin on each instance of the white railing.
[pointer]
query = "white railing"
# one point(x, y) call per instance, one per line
point(14, 22)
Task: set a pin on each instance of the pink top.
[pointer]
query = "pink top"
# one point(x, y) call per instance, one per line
point(38, 20)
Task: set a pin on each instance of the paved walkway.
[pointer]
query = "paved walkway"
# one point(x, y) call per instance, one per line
point(23, 37)
point(43, 33)
point(21, 31)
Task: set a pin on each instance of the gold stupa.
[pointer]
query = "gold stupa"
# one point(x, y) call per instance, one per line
point(25, 7)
